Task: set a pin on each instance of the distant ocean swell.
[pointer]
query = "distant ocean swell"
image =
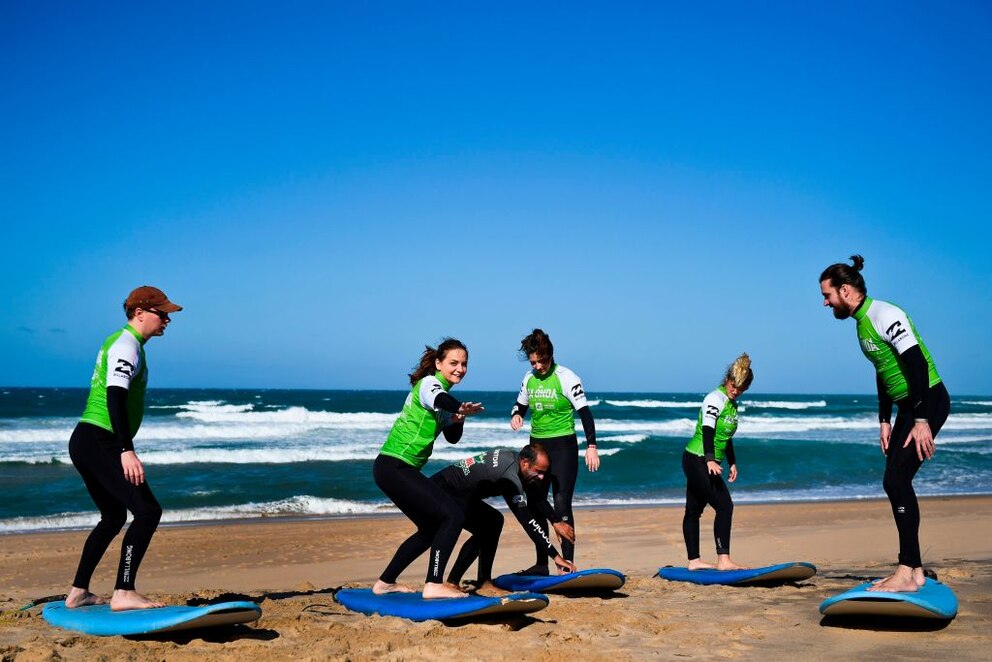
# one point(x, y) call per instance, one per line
point(251, 454)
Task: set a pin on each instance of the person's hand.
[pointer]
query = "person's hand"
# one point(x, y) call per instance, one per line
point(713, 468)
point(469, 408)
point(592, 458)
point(564, 530)
point(733, 472)
point(884, 432)
point(564, 567)
point(921, 434)
point(516, 422)
point(134, 471)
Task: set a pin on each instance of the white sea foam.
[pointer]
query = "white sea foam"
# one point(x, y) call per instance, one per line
point(783, 404)
point(295, 506)
point(655, 404)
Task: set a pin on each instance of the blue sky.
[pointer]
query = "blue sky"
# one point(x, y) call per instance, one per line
point(326, 187)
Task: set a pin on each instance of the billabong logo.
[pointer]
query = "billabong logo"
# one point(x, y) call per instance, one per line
point(124, 368)
point(577, 391)
point(895, 330)
point(127, 563)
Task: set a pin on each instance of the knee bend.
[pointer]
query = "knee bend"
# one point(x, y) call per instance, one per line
point(149, 516)
point(112, 521)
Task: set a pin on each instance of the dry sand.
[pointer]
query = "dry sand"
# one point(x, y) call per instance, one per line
point(292, 567)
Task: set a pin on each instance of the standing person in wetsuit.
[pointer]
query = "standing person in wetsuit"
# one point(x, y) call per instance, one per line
point(905, 375)
point(553, 392)
point(499, 472)
point(702, 461)
point(429, 410)
point(102, 450)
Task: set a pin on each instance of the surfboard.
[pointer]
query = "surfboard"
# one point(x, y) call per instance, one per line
point(781, 573)
point(101, 621)
point(594, 579)
point(933, 600)
point(414, 607)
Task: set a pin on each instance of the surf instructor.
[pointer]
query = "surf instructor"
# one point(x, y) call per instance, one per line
point(905, 375)
point(102, 450)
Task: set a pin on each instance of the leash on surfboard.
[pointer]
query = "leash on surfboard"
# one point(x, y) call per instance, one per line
point(317, 607)
point(10, 614)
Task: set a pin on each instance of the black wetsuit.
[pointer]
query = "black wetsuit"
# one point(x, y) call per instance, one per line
point(467, 483)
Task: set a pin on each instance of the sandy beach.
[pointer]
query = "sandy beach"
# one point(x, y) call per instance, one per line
point(292, 567)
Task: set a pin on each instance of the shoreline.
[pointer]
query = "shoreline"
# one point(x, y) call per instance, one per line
point(270, 519)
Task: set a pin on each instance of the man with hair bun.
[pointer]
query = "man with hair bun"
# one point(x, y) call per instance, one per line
point(907, 377)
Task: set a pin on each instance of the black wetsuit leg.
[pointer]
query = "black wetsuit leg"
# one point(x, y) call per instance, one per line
point(437, 516)
point(564, 455)
point(702, 489)
point(901, 465)
point(96, 456)
point(486, 525)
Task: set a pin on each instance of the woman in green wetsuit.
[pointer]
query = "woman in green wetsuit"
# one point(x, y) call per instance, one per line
point(702, 464)
point(553, 394)
point(429, 411)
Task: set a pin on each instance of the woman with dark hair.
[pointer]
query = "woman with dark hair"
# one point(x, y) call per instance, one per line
point(553, 393)
point(429, 410)
point(905, 375)
point(702, 464)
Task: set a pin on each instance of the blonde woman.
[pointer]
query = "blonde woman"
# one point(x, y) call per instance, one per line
point(702, 463)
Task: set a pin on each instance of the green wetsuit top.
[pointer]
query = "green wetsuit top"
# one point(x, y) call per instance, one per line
point(884, 332)
point(720, 413)
point(552, 399)
point(412, 436)
point(120, 362)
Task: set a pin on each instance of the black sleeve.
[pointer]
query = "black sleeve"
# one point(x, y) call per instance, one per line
point(117, 408)
point(884, 401)
point(917, 376)
point(588, 426)
point(539, 503)
point(729, 452)
point(446, 402)
point(709, 447)
point(530, 525)
point(453, 432)
point(518, 410)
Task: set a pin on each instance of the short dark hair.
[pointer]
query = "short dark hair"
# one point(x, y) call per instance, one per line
point(531, 451)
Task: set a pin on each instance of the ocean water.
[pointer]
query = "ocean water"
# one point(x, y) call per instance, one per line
point(220, 454)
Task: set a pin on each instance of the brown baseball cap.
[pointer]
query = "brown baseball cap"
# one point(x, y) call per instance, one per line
point(146, 297)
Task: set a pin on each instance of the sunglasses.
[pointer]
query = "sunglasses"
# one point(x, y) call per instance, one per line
point(161, 315)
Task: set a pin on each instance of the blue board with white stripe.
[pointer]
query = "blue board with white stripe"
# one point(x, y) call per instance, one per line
point(101, 621)
point(780, 573)
point(932, 600)
point(594, 579)
point(416, 608)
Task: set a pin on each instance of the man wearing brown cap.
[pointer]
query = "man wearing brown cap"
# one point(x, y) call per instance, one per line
point(102, 450)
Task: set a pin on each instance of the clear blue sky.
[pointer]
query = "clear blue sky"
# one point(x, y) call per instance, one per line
point(326, 187)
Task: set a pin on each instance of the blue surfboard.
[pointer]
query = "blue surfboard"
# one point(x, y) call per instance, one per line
point(594, 579)
point(101, 621)
point(414, 607)
point(783, 572)
point(933, 600)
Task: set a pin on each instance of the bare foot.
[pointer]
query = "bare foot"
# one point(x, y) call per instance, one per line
point(433, 591)
point(79, 597)
point(903, 580)
point(724, 562)
point(699, 564)
point(126, 600)
point(382, 588)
